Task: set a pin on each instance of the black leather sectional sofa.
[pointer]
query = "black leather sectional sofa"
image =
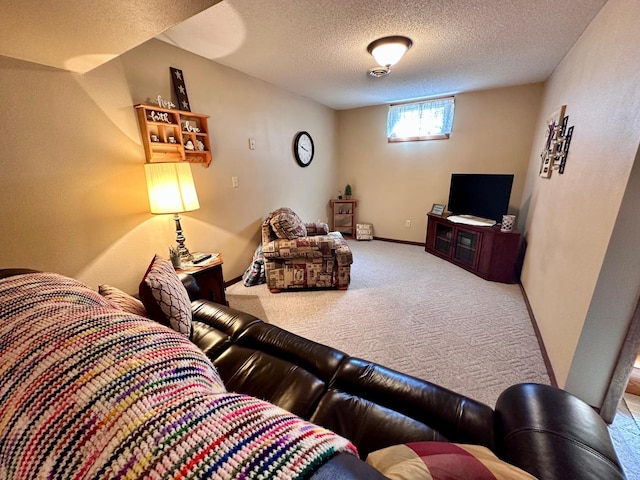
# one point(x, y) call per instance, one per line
point(543, 430)
point(540, 429)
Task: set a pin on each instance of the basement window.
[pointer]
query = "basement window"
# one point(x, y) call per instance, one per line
point(428, 120)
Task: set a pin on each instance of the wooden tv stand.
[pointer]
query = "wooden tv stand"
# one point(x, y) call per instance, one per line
point(485, 251)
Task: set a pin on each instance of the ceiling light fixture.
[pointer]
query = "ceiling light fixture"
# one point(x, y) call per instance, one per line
point(387, 51)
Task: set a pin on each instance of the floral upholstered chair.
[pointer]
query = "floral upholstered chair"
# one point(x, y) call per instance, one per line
point(300, 255)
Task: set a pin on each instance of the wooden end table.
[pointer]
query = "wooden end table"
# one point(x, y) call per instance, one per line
point(209, 279)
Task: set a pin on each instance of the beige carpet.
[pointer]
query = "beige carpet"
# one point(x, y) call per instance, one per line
point(625, 434)
point(413, 312)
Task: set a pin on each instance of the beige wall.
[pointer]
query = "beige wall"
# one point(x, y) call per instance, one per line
point(394, 182)
point(72, 186)
point(571, 217)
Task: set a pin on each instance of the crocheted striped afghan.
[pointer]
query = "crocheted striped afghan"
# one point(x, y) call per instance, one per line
point(90, 392)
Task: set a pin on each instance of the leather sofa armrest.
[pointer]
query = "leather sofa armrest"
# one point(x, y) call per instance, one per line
point(553, 435)
point(191, 286)
point(322, 360)
point(273, 364)
point(215, 326)
point(375, 407)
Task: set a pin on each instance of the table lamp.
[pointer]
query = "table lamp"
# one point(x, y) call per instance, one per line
point(171, 190)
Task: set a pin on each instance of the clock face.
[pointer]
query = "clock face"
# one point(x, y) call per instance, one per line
point(303, 148)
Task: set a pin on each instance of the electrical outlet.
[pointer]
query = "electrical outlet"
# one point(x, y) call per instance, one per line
point(407, 223)
point(234, 182)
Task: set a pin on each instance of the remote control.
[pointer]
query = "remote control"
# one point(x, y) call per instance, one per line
point(202, 258)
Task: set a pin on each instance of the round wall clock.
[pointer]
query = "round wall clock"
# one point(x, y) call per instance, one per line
point(303, 148)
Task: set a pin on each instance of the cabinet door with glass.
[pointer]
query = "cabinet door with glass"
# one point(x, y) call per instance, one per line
point(467, 244)
point(444, 238)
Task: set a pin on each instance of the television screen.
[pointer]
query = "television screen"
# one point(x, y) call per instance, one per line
point(481, 195)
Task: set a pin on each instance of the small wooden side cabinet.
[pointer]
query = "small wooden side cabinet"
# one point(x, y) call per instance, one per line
point(344, 216)
point(209, 279)
point(485, 251)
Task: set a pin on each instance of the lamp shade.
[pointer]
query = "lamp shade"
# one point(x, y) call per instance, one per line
point(170, 187)
point(389, 50)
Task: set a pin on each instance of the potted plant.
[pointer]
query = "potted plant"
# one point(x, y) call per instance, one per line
point(347, 191)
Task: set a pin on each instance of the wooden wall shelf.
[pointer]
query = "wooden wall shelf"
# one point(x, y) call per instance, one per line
point(166, 135)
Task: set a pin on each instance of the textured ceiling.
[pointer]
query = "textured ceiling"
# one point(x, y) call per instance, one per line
point(318, 48)
point(79, 35)
point(314, 48)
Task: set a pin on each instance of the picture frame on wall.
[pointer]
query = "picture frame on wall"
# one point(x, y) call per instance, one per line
point(437, 209)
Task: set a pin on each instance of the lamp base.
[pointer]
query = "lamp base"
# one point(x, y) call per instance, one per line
point(185, 255)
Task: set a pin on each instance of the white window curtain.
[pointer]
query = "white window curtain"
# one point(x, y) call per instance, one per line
point(428, 120)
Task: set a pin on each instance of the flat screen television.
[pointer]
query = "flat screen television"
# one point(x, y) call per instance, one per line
point(481, 195)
